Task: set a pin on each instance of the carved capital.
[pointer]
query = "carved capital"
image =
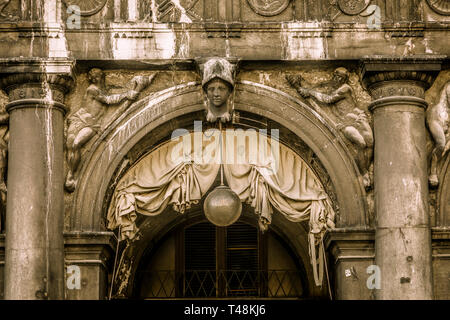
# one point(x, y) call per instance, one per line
point(36, 82)
point(399, 79)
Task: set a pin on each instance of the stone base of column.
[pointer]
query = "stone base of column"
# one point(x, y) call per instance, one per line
point(353, 252)
point(441, 262)
point(93, 254)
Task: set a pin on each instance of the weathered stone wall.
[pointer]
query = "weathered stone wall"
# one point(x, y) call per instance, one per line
point(306, 38)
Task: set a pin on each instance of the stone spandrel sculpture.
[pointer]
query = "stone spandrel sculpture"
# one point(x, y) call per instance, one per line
point(351, 121)
point(438, 117)
point(218, 84)
point(84, 124)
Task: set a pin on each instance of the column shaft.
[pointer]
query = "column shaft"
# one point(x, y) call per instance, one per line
point(403, 236)
point(34, 243)
point(34, 267)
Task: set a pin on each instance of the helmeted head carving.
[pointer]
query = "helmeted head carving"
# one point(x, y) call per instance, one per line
point(96, 76)
point(218, 84)
point(341, 75)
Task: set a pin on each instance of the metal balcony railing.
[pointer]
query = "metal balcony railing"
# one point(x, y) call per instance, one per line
point(223, 283)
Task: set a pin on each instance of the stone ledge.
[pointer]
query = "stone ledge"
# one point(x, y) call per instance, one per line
point(77, 238)
point(36, 65)
point(351, 243)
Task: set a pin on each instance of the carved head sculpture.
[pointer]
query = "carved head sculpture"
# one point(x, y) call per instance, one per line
point(340, 75)
point(218, 85)
point(96, 76)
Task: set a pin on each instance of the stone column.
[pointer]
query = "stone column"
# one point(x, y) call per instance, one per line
point(403, 235)
point(34, 254)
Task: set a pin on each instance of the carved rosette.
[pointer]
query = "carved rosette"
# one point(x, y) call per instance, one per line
point(268, 8)
point(440, 6)
point(353, 7)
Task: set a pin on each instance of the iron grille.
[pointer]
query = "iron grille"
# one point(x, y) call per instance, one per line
point(227, 283)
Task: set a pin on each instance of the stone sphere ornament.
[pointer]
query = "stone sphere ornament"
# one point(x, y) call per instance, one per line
point(222, 206)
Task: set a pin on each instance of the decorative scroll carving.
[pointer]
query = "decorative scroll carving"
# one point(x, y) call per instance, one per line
point(178, 11)
point(218, 84)
point(87, 8)
point(7, 16)
point(84, 124)
point(438, 117)
point(440, 6)
point(268, 8)
point(351, 121)
point(3, 4)
point(4, 119)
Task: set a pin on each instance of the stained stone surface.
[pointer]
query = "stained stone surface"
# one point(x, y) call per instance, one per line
point(267, 40)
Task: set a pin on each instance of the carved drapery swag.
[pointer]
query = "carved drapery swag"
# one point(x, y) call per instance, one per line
point(178, 175)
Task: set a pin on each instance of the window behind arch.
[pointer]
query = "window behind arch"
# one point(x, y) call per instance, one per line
point(223, 262)
point(205, 261)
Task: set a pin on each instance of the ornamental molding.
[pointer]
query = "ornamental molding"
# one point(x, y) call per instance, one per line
point(268, 8)
point(353, 7)
point(87, 7)
point(440, 6)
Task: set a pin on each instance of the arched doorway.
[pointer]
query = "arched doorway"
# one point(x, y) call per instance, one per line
point(149, 122)
point(199, 260)
point(167, 180)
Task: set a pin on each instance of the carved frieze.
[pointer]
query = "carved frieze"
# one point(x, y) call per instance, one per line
point(395, 90)
point(356, 10)
point(87, 7)
point(353, 7)
point(36, 92)
point(9, 10)
point(268, 8)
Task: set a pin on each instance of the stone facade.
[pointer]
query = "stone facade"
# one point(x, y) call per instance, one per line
point(359, 89)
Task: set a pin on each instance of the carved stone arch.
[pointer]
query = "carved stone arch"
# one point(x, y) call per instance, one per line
point(107, 157)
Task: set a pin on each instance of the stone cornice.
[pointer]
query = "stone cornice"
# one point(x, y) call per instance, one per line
point(19, 71)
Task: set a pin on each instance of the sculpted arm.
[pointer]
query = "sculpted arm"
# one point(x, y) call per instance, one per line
point(334, 97)
point(113, 98)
